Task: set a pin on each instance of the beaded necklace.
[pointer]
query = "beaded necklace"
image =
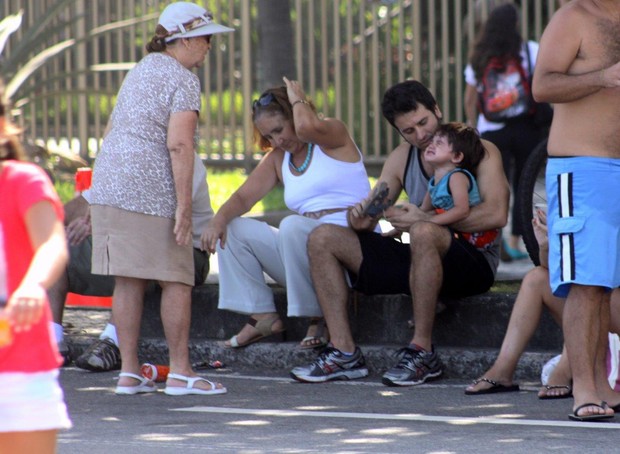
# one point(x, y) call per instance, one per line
point(302, 168)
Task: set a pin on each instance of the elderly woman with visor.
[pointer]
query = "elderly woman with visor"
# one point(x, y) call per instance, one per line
point(141, 195)
point(323, 174)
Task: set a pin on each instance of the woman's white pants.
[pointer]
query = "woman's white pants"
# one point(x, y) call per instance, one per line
point(253, 247)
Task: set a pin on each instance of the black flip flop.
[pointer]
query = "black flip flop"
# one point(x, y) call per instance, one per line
point(495, 388)
point(589, 418)
point(560, 396)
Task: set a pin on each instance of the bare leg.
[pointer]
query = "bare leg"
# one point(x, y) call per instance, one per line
point(127, 305)
point(582, 324)
point(39, 441)
point(330, 247)
point(562, 376)
point(426, 276)
point(251, 250)
point(526, 312)
point(317, 333)
point(57, 295)
point(176, 300)
point(600, 369)
point(559, 383)
point(175, 315)
point(248, 332)
point(614, 311)
point(514, 241)
point(614, 327)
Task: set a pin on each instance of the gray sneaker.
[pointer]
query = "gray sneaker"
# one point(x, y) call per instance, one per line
point(332, 365)
point(101, 356)
point(415, 367)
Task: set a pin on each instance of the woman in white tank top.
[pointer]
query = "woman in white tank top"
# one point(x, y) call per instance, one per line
point(323, 174)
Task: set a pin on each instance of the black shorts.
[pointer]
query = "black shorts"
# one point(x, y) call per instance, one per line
point(386, 263)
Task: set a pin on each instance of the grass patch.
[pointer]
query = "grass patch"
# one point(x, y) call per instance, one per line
point(65, 190)
point(222, 184)
point(506, 286)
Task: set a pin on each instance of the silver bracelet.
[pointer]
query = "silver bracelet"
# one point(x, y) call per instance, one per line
point(302, 101)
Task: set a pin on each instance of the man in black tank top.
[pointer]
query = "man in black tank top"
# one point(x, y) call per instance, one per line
point(435, 262)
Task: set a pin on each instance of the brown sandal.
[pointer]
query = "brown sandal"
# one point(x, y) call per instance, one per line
point(264, 328)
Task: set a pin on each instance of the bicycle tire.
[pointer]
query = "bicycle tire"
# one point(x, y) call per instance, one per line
point(531, 190)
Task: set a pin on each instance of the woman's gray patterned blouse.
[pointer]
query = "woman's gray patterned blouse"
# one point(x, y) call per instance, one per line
point(133, 170)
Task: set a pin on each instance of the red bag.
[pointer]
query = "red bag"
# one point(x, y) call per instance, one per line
point(504, 93)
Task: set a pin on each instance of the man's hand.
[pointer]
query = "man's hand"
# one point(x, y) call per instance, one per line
point(404, 215)
point(393, 234)
point(378, 202)
point(78, 230)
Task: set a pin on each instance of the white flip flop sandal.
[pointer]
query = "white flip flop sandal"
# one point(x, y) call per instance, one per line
point(143, 387)
point(189, 389)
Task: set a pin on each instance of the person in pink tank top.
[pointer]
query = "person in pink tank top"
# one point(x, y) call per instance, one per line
point(33, 253)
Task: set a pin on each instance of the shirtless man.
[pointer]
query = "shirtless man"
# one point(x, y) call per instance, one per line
point(578, 70)
point(435, 263)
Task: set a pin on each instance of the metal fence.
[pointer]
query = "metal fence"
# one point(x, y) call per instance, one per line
point(346, 53)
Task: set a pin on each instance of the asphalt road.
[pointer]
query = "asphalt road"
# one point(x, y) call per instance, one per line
point(273, 414)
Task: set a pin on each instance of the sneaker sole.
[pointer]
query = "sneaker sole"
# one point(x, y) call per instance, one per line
point(346, 375)
point(388, 382)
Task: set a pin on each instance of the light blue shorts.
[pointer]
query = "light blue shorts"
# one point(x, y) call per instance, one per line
point(583, 197)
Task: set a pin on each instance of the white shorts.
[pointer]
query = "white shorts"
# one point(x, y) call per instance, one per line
point(32, 402)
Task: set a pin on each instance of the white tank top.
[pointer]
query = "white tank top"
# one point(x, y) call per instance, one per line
point(326, 184)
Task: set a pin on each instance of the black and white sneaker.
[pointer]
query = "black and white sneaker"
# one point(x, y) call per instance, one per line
point(415, 367)
point(332, 364)
point(101, 356)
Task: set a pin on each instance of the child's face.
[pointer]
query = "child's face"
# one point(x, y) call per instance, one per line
point(440, 151)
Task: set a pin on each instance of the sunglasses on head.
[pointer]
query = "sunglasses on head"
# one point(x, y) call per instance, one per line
point(263, 101)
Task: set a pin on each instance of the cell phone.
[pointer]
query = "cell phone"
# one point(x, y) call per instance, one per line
point(379, 202)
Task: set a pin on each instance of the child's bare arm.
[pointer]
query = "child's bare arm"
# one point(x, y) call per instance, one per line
point(459, 187)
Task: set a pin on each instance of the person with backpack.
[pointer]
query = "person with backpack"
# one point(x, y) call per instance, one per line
point(499, 103)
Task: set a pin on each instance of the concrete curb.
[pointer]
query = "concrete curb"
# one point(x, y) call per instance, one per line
point(463, 364)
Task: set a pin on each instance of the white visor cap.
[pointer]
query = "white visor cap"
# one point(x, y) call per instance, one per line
point(187, 20)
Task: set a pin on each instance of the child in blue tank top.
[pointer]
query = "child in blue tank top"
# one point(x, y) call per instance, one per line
point(454, 154)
